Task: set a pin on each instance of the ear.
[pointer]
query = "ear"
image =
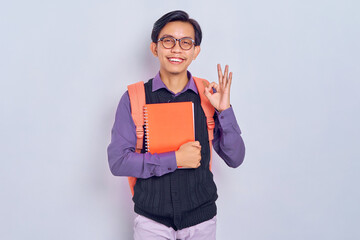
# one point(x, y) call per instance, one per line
point(153, 48)
point(196, 52)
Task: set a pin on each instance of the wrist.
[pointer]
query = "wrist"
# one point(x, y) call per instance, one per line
point(177, 157)
point(223, 109)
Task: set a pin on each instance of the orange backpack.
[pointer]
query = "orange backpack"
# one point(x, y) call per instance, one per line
point(137, 101)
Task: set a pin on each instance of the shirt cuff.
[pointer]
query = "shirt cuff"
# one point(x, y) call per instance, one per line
point(160, 163)
point(227, 119)
point(168, 161)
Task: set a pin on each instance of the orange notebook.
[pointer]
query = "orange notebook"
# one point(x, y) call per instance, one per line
point(168, 126)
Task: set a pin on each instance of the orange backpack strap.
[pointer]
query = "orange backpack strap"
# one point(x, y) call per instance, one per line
point(208, 109)
point(137, 101)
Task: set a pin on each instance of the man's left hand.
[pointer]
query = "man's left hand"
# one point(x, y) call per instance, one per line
point(221, 99)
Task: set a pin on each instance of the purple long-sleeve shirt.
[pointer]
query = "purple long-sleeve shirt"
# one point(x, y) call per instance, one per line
point(124, 161)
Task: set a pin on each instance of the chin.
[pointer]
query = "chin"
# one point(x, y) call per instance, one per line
point(175, 71)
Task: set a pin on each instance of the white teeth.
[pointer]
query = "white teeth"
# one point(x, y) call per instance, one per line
point(175, 60)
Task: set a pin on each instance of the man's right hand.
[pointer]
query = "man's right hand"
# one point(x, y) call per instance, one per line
point(189, 155)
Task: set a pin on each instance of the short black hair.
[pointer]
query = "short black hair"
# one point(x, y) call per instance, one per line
point(173, 16)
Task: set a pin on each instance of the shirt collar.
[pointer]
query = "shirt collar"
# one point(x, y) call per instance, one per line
point(158, 83)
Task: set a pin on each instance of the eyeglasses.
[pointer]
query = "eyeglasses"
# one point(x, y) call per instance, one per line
point(185, 43)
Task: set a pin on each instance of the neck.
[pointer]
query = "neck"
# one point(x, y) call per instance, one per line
point(174, 82)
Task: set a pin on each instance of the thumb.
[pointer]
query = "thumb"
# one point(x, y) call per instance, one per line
point(196, 144)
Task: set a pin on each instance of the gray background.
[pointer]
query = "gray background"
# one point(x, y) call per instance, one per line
point(65, 64)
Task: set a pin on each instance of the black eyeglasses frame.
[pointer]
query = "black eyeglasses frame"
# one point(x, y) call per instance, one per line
point(177, 40)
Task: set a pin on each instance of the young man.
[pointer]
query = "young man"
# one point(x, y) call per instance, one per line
point(176, 203)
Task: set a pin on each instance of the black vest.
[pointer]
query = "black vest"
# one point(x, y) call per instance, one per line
point(185, 197)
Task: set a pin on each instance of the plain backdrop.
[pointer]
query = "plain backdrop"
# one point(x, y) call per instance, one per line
point(65, 64)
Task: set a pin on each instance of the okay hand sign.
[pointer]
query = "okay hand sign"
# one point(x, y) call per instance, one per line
point(221, 99)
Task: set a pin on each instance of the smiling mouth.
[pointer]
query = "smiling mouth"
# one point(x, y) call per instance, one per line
point(175, 60)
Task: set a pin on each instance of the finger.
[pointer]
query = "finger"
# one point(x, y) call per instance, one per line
point(220, 73)
point(207, 92)
point(197, 144)
point(214, 85)
point(225, 78)
point(198, 147)
point(229, 81)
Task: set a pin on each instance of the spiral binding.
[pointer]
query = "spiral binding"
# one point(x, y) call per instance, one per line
point(146, 122)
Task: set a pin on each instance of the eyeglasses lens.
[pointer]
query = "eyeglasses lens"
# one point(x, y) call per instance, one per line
point(186, 43)
point(168, 42)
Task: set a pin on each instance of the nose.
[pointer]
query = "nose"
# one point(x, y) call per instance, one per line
point(177, 47)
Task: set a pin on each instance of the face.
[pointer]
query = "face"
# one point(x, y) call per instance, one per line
point(175, 61)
